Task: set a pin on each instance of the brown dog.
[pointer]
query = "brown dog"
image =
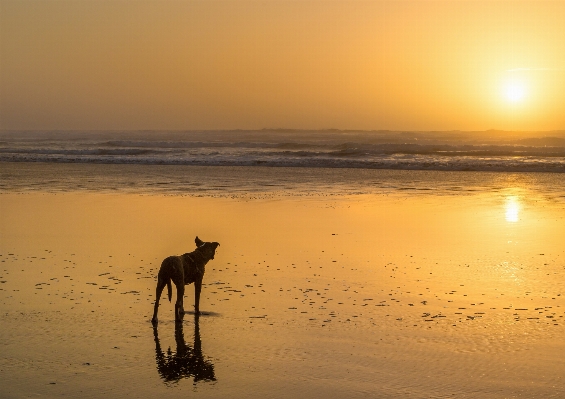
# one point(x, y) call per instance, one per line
point(184, 270)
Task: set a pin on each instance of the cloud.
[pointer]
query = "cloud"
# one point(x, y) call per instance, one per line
point(533, 69)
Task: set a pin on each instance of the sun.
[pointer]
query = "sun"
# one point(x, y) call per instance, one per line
point(515, 91)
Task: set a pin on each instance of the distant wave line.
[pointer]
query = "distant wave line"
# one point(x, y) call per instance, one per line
point(514, 164)
point(297, 149)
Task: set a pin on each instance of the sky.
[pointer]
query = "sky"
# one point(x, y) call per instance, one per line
point(191, 65)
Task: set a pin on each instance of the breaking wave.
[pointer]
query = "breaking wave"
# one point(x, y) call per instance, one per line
point(333, 149)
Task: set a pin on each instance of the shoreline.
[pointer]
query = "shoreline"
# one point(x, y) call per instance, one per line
point(524, 168)
point(270, 182)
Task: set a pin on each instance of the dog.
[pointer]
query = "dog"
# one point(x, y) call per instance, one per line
point(183, 270)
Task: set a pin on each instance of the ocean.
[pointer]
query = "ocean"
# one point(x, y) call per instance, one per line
point(285, 163)
point(445, 151)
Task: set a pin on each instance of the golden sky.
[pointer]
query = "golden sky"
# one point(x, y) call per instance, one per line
point(398, 65)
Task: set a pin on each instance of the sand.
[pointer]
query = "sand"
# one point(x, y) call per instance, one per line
point(417, 296)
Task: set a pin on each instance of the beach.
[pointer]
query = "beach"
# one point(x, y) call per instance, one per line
point(435, 285)
point(382, 182)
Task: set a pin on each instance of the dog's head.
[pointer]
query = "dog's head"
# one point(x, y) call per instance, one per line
point(208, 249)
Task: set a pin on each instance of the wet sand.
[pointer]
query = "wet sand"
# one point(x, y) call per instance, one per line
point(330, 297)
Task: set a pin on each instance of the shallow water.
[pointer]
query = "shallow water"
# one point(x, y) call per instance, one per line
point(386, 293)
point(265, 182)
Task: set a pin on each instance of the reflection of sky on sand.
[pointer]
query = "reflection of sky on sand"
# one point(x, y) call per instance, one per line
point(392, 289)
point(509, 272)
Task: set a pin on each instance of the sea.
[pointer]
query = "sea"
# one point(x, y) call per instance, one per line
point(450, 151)
point(283, 161)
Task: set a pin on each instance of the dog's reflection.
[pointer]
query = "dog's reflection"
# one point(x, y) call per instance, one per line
point(187, 361)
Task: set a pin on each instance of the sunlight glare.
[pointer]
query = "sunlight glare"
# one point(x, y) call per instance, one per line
point(512, 209)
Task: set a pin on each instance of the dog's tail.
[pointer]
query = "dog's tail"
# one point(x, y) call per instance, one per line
point(169, 289)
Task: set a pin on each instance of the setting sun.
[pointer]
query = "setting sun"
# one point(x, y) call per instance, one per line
point(515, 91)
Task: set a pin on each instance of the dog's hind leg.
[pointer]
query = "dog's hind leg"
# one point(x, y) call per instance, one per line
point(160, 285)
point(169, 290)
point(197, 289)
point(179, 306)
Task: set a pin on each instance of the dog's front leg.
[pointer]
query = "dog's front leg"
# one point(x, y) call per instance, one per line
point(197, 289)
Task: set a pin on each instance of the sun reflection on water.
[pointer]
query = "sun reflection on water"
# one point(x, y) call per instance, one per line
point(512, 207)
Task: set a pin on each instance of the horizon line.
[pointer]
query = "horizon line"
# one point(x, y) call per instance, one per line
point(284, 130)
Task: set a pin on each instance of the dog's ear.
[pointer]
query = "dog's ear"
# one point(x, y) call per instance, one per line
point(198, 241)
